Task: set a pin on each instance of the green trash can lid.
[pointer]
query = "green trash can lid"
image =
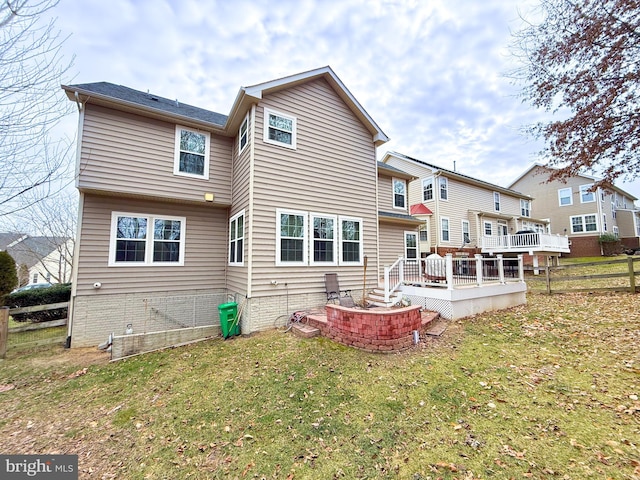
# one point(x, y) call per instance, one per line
point(228, 305)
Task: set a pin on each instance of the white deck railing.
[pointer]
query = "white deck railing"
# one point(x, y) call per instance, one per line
point(525, 242)
point(452, 272)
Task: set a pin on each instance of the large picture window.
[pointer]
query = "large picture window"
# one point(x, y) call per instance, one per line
point(146, 240)
point(191, 153)
point(279, 129)
point(291, 247)
point(324, 238)
point(236, 239)
point(584, 223)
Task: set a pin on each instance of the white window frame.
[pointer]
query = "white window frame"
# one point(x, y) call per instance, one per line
point(427, 182)
point(312, 239)
point(360, 241)
point(443, 229)
point(238, 239)
point(560, 196)
point(584, 222)
point(176, 155)
point(604, 222)
point(305, 237)
point(402, 182)
point(496, 201)
point(425, 229)
point(616, 231)
point(525, 207)
point(266, 139)
point(466, 230)
point(243, 135)
point(443, 188)
point(149, 240)
point(583, 192)
point(486, 224)
point(407, 247)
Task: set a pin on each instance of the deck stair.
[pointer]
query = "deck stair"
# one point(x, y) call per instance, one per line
point(376, 297)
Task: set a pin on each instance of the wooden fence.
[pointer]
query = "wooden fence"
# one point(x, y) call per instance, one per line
point(31, 334)
point(609, 276)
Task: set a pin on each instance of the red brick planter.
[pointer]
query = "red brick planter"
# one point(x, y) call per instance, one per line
point(376, 330)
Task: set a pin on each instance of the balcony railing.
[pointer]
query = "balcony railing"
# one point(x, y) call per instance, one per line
point(452, 272)
point(525, 242)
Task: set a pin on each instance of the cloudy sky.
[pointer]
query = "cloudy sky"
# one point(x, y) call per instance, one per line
point(432, 74)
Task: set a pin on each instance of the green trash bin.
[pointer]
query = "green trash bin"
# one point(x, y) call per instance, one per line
point(228, 323)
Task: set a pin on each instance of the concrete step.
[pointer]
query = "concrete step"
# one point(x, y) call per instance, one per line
point(304, 331)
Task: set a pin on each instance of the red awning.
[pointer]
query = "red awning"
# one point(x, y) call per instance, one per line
point(420, 209)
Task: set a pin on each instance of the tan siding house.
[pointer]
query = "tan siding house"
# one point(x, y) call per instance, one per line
point(183, 209)
point(582, 215)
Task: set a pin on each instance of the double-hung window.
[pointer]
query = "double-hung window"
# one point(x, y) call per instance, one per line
point(488, 229)
point(350, 241)
point(399, 194)
point(191, 156)
point(525, 208)
point(411, 245)
point(584, 223)
point(444, 188)
point(466, 237)
point(324, 238)
point(585, 195)
point(427, 189)
point(279, 129)
point(291, 246)
point(236, 239)
point(243, 134)
point(496, 201)
point(146, 240)
point(444, 230)
point(564, 197)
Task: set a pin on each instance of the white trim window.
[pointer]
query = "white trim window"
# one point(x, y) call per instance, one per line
point(443, 184)
point(279, 129)
point(427, 189)
point(488, 229)
point(584, 223)
point(243, 134)
point(564, 197)
point(191, 156)
point(139, 239)
point(585, 195)
point(323, 229)
point(604, 222)
point(613, 211)
point(291, 241)
point(424, 233)
point(496, 201)
point(411, 246)
point(466, 236)
point(350, 241)
point(236, 239)
point(399, 193)
point(444, 229)
point(616, 231)
point(525, 207)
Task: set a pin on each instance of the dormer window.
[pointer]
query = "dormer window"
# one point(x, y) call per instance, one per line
point(191, 157)
point(279, 129)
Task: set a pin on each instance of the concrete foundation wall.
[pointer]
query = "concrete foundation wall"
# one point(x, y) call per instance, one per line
point(263, 313)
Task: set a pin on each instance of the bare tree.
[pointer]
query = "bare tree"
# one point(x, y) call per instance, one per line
point(31, 104)
point(581, 62)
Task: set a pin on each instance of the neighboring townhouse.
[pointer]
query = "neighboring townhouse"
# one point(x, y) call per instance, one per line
point(182, 209)
point(574, 210)
point(39, 259)
point(466, 216)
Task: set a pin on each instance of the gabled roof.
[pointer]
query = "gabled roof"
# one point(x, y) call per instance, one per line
point(128, 99)
point(455, 175)
point(394, 172)
point(585, 176)
point(27, 250)
point(420, 209)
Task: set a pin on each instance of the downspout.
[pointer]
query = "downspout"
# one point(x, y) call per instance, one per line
point(599, 205)
point(251, 196)
point(438, 222)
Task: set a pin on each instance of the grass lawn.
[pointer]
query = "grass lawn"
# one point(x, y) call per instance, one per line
point(547, 390)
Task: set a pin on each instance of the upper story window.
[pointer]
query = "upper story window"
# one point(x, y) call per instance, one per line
point(427, 189)
point(444, 230)
point(279, 129)
point(525, 208)
point(604, 222)
point(488, 228)
point(191, 156)
point(444, 188)
point(146, 240)
point(466, 237)
point(236, 239)
point(584, 223)
point(243, 134)
point(496, 201)
point(585, 195)
point(564, 197)
point(399, 194)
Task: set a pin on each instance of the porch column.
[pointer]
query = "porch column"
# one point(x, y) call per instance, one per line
point(478, 268)
point(521, 267)
point(449, 270)
point(500, 268)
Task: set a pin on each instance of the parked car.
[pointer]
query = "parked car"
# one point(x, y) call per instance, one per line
point(31, 286)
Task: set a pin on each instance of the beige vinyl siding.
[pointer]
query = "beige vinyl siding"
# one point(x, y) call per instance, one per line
point(134, 155)
point(332, 171)
point(205, 249)
point(415, 187)
point(385, 195)
point(391, 244)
